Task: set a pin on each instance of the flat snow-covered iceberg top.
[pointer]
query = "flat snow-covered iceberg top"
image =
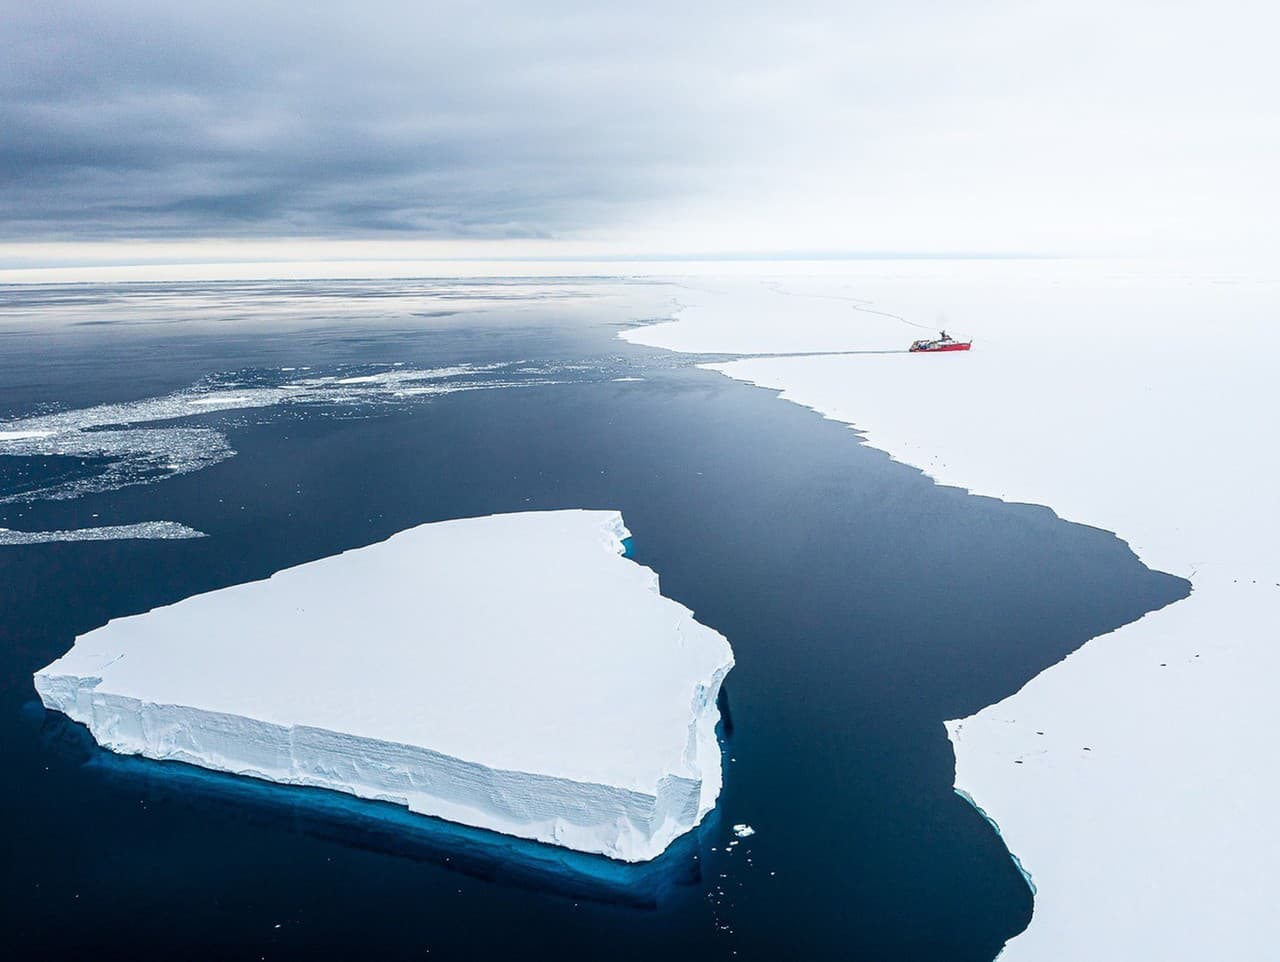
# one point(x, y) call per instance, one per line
point(512, 672)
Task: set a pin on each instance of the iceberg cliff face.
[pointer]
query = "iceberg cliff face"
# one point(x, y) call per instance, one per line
point(512, 672)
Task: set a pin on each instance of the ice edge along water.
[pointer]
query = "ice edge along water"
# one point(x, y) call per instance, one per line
point(1130, 779)
point(446, 669)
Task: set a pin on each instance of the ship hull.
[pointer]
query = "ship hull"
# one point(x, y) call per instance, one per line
point(960, 346)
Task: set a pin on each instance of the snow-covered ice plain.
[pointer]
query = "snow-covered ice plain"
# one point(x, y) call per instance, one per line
point(510, 672)
point(1134, 780)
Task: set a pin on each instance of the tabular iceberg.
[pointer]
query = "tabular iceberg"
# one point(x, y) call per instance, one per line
point(512, 672)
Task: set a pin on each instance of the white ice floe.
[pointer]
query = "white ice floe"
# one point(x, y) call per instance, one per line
point(513, 672)
point(23, 435)
point(132, 446)
point(742, 830)
point(144, 530)
point(218, 400)
point(1135, 399)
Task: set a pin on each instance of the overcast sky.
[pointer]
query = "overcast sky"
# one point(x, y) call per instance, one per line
point(975, 127)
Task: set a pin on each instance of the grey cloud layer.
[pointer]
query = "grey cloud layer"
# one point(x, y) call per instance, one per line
point(813, 125)
point(455, 119)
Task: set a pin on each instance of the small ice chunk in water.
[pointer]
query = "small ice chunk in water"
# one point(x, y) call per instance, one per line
point(742, 830)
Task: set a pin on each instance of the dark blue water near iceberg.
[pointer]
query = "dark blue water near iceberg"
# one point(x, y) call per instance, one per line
point(865, 605)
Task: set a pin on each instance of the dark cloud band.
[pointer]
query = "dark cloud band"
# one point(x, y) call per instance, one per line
point(515, 120)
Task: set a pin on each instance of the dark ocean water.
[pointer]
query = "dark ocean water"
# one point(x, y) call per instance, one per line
point(865, 605)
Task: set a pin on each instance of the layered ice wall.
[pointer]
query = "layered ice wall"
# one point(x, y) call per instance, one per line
point(512, 672)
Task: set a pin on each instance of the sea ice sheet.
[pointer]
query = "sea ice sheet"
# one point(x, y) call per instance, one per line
point(1133, 781)
point(511, 672)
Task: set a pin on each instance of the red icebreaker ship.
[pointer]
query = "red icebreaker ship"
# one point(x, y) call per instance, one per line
point(943, 343)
